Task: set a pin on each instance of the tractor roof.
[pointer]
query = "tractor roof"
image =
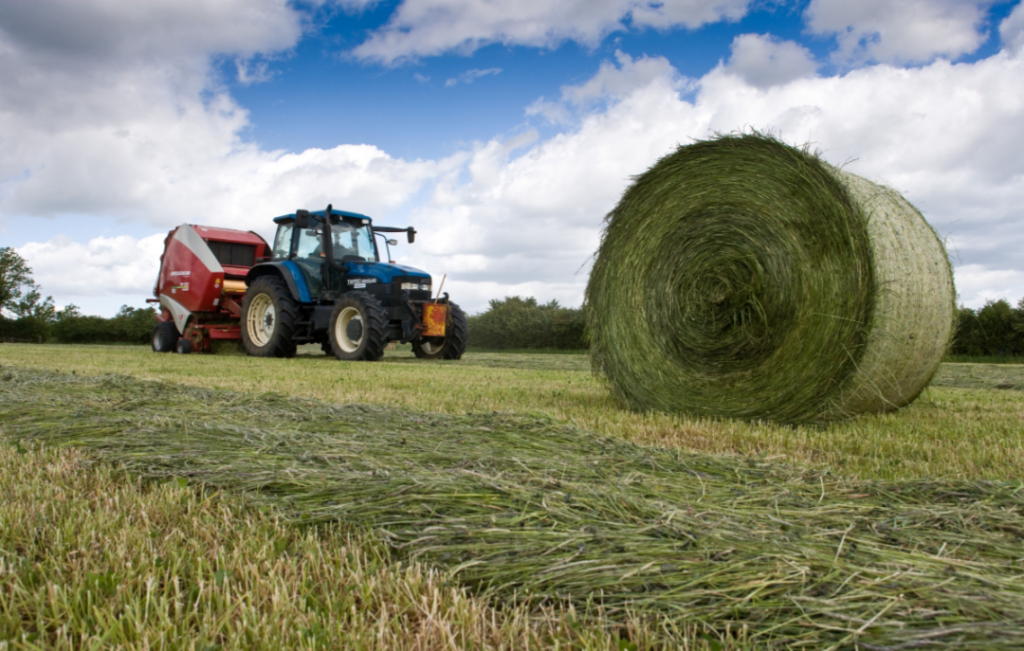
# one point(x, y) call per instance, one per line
point(321, 213)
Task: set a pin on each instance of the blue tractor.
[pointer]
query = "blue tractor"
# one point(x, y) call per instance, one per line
point(326, 283)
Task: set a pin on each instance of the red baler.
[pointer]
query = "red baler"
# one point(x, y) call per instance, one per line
point(201, 285)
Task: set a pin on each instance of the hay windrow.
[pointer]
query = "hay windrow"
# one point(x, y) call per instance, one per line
point(527, 509)
point(744, 278)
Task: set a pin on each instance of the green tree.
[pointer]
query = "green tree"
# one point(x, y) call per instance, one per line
point(968, 339)
point(24, 313)
point(130, 325)
point(995, 320)
point(14, 276)
point(516, 322)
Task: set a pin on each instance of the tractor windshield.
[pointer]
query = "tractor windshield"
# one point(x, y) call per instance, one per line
point(353, 242)
point(350, 242)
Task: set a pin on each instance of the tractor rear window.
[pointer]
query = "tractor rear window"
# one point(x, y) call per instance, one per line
point(232, 253)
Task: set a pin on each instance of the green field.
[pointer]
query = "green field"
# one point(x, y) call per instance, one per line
point(968, 424)
point(494, 502)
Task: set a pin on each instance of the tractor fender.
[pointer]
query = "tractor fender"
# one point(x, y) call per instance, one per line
point(287, 271)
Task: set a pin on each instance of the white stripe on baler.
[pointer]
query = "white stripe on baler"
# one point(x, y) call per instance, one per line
point(191, 239)
point(177, 310)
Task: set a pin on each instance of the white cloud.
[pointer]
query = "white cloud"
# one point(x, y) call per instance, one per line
point(107, 103)
point(688, 13)
point(907, 31)
point(420, 28)
point(159, 143)
point(614, 81)
point(764, 61)
point(947, 135)
point(126, 34)
point(1011, 30)
point(976, 284)
point(470, 76)
point(104, 265)
point(252, 72)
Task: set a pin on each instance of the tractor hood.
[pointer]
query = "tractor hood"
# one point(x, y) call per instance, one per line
point(384, 272)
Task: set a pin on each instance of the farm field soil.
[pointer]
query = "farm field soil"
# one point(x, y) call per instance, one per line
point(968, 424)
point(524, 511)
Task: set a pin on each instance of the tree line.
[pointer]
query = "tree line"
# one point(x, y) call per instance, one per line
point(523, 323)
point(25, 315)
point(996, 329)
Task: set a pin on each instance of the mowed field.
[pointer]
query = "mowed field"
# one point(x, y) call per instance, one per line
point(967, 424)
point(231, 529)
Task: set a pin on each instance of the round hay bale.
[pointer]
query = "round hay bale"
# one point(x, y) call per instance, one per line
point(741, 277)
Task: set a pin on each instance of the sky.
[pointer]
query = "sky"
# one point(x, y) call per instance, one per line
point(503, 132)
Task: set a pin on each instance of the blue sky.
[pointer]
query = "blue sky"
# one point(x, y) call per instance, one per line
point(320, 95)
point(504, 133)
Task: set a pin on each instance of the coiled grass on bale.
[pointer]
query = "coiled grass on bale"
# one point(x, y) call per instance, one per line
point(744, 278)
point(527, 509)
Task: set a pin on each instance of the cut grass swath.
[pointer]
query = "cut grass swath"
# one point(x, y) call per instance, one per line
point(529, 510)
point(742, 277)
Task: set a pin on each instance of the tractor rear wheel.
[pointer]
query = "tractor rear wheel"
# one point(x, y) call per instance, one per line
point(165, 337)
point(268, 318)
point(452, 344)
point(357, 328)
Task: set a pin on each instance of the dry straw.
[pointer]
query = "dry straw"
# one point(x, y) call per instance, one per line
point(744, 278)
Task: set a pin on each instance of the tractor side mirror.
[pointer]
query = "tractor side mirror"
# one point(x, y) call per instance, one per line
point(302, 219)
point(411, 234)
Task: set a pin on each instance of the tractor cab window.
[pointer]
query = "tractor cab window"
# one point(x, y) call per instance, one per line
point(309, 243)
point(353, 243)
point(309, 256)
point(283, 242)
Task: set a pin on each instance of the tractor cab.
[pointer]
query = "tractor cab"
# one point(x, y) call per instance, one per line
point(336, 251)
point(318, 245)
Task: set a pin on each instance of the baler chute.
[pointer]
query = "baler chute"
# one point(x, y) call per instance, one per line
point(201, 285)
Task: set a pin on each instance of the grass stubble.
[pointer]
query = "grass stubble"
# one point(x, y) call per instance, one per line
point(530, 513)
point(91, 557)
point(968, 424)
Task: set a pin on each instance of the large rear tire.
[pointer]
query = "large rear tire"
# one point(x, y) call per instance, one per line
point(357, 328)
point(165, 337)
point(452, 344)
point(268, 318)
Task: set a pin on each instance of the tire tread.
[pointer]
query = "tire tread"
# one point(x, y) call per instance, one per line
point(287, 312)
point(373, 327)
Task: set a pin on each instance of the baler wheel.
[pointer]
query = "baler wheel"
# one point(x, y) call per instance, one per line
point(268, 318)
point(357, 328)
point(184, 346)
point(165, 337)
point(452, 345)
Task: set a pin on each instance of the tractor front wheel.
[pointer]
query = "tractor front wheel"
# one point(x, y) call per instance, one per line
point(165, 337)
point(268, 318)
point(357, 328)
point(452, 344)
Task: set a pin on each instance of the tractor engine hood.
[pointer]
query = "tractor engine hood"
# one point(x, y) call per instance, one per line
point(385, 272)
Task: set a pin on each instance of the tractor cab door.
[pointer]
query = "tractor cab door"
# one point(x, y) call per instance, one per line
point(351, 241)
point(310, 257)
